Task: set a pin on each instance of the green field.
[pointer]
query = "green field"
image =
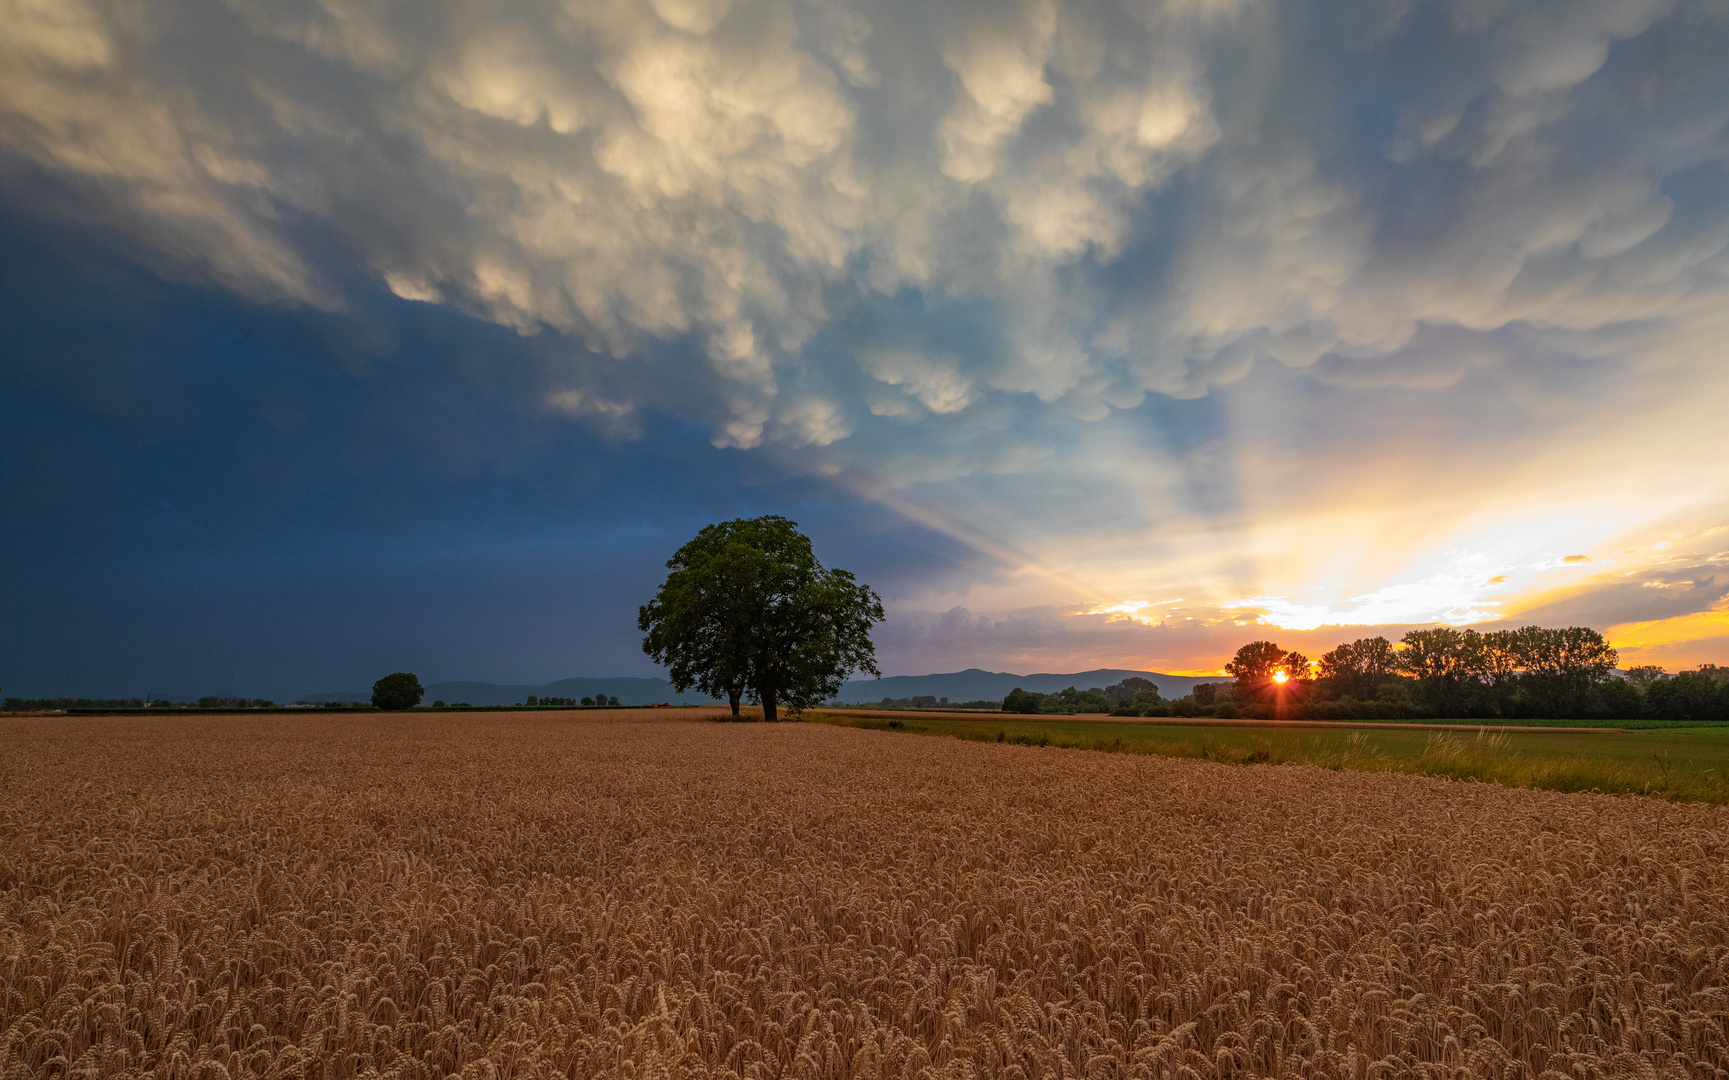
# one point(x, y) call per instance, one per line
point(1688, 764)
point(1635, 724)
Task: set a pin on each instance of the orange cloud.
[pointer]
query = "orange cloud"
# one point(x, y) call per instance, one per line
point(1682, 640)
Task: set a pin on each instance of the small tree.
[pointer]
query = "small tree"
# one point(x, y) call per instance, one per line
point(400, 690)
point(747, 609)
point(1643, 675)
point(1132, 688)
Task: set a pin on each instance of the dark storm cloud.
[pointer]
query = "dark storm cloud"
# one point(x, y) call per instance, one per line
point(206, 497)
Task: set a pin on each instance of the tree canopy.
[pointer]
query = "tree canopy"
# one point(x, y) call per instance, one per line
point(1358, 668)
point(1254, 666)
point(400, 690)
point(1531, 672)
point(747, 611)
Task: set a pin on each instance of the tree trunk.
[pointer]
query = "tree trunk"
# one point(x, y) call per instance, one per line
point(768, 705)
point(734, 695)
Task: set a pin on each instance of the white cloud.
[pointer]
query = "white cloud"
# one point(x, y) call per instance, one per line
point(811, 422)
point(1000, 65)
point(935, 381)
point(410, 288)
point(62, 33)
point(615, 417)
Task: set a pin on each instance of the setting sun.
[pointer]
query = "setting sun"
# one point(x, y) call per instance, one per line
point(1280, 676)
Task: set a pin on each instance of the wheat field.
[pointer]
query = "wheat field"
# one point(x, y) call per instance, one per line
point(630, 895)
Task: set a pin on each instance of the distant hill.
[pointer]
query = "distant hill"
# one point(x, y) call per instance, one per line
point(969, 685)
point(974, 684)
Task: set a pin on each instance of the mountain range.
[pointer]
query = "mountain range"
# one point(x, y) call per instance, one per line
point(972, 684)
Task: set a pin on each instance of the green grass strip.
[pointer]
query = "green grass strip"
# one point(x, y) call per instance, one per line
point(1690, 765)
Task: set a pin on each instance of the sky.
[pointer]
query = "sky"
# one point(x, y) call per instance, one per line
point(341, 338)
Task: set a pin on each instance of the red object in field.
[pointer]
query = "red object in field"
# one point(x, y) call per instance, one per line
point(661, 705)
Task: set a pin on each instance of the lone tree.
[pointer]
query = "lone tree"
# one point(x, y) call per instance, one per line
point(398, 691)
point(748, 611)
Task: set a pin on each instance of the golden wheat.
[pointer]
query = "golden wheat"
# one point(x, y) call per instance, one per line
point(589, 896)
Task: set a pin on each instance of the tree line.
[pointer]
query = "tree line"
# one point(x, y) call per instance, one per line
point(931, 701)
point(598, 700)
point(18, 704)
point(1134, 696)
point(1529, 673)
point(1532, 672)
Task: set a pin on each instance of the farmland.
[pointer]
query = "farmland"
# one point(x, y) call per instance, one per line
point(624, 895)
point(1689, 762)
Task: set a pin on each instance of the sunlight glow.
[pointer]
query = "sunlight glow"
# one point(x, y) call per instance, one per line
point(1327, 574)
point(1456, 598)
point(1280, 676)
point(1637, 636)
point(1135, 609)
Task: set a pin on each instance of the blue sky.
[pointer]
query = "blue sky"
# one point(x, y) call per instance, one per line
point(338, 338)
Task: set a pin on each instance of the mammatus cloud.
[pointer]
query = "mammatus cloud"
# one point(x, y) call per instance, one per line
point(739, 173)
point(1320, 314)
